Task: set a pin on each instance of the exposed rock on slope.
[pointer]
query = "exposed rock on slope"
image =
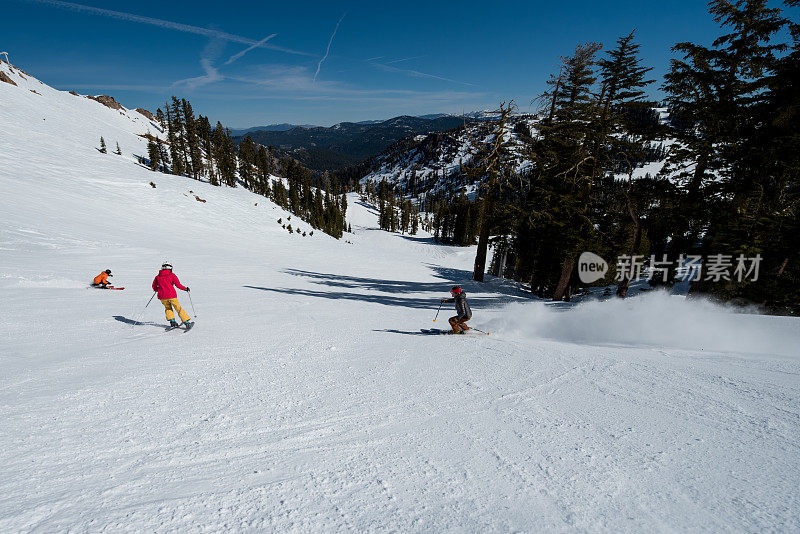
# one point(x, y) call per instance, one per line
point(107, 101)
point(146, 114)
point(4, 78)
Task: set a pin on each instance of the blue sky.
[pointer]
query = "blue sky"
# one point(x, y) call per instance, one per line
point(255, 63)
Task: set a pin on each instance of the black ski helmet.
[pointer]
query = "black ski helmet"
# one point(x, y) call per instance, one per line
point(108, 272)
point(166, 265)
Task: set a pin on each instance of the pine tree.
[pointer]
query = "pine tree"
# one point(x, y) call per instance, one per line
point(154, 154)
point(163, 157)
point(721, 98)
point(118, 151)
point(623, 137)
point(224, 155)
point(103, 149)
point(263, 170)
point(161, 119)
point(180, 138)
point(204, 132)
point(247, 158)
point(173, 134)
point(279, 194)
point(193, 140)
point(318, 211)
point(554, 223)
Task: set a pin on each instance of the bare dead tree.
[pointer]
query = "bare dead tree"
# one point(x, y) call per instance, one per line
point(636, 240)
point(491, 167)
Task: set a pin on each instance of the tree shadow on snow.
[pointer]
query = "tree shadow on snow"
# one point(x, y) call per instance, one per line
point(449, 277)
point(423, 240)
point(125, 320)
point(390, 292)
point(369, 207)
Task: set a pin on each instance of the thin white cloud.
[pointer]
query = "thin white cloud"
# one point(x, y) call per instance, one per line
point(115, 87)
point(251, 47)
point(292, 82)
point(415, 73)
point(328, 50)
point(212, 74)
point(186, 28)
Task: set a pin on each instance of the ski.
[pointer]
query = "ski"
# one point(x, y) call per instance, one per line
point(170, 327)
point(435, 331)
point(189, 326)
point(109, 287)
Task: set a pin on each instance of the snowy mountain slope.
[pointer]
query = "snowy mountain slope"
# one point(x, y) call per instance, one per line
point(436, 162)
point(305, 399)
point(65, 120)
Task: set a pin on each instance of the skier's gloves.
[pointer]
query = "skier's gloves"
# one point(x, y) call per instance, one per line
point(187, 289)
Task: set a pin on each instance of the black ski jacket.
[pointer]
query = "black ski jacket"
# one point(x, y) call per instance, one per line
point(462, 306)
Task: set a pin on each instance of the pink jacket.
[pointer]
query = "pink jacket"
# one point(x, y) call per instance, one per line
point(163, 283)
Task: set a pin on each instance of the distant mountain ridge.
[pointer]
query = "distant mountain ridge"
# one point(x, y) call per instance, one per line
point(331, 148)
point(284, 126)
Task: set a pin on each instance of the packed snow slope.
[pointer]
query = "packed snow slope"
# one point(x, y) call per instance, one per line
point(306, 399)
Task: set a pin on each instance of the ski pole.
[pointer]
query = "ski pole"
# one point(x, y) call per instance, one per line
point(481, 331)
point(138, 317)
point(192, 303)
point(437, 311)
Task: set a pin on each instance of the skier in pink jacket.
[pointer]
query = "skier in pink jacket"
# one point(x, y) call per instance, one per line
point(164, 284)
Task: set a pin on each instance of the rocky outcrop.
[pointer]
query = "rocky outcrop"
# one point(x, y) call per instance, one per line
point(146, 114)
point(107, 101)
point(4, 78)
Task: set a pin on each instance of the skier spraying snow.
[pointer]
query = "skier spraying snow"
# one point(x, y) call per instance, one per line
point(163, 285)
point(101, 280)
point(458, 322)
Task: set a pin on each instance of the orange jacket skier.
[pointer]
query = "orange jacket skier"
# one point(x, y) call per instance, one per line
point(101, 280)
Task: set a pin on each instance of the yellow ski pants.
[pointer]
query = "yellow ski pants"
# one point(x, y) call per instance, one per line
point(172, 304)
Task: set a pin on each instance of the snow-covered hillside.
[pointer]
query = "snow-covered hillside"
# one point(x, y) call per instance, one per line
point(306, 397)
point(43, 119)
point(436, 163)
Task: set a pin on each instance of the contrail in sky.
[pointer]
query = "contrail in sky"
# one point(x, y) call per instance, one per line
point(404, 59)
point(327, 50)
point(121, 15)
point(246, 50)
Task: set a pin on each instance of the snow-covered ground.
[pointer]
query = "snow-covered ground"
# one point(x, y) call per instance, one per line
point(306, 399)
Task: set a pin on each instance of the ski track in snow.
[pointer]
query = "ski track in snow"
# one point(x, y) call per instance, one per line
point(303, 400)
